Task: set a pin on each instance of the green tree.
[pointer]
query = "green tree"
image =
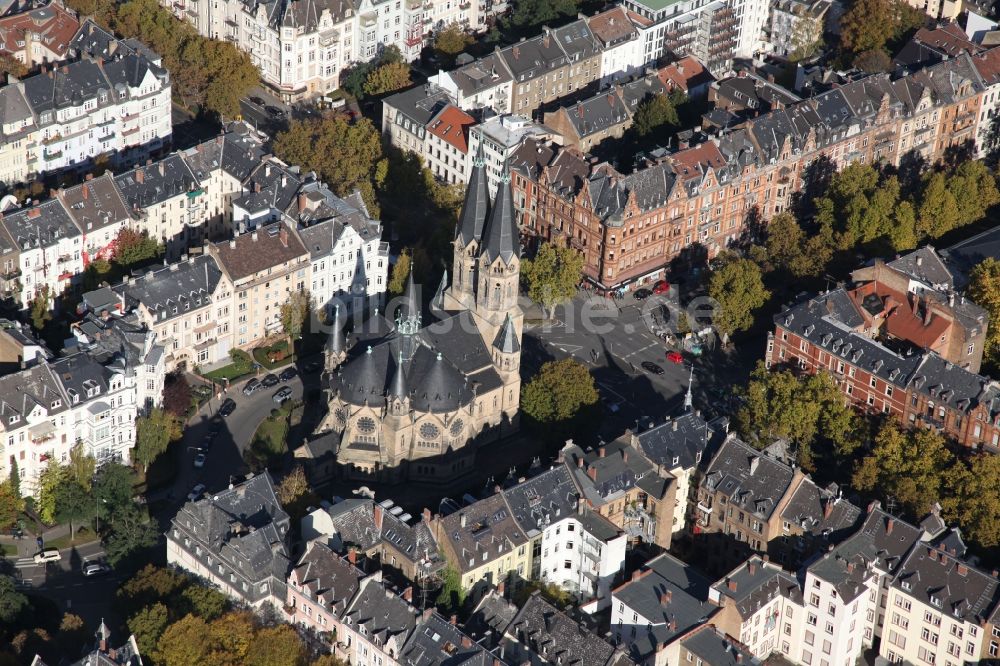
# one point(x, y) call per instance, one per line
point(974, 188)
point(12, 602)
point(41, 308)
point(653, 113)
point(148, 625)
point(559, 391)
point(971, 499)
point(48, 483)
point(295, 494)
point(984, 290)
point(113, 489)
point(74, 504)
point(11, 65)
point(130, 533)
point(908, 466)
point(81, 466)
point(551, 592)
point(867, 25)
point(184, 643)
point(133, 248)
point(344, 154)
point(400, 273)
point(388, 78)
point(551, 277)
point(294, 314)
point(939, 212)
point(451, 40)
point(790, 249)
point(452, 594)
point(738, 287)
point(153, 434)
point(276, 646)
point(11, 505)
point(15, 477)
point(205, 602)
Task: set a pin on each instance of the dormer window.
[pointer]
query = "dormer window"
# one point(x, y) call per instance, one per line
point(56, 404)
point(14, 419)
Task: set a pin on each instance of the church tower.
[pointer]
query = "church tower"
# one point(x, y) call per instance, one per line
point(336, 345)
point(468, 238)
point(499, 267)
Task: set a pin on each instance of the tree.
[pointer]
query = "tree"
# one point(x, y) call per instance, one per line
point(452, 594)
point(74, 504)
point(294, 314)
point(975, 190)
point(552, 276)
point(388, 78)
point(873, 61)
point(400, 272)
point(205, 602)
point(451, 40)
point(807, 38)
point(133, 248)
point(276, 646)
point(559, 391)
point(148, 625)
point(150, 585)
point(12, 602)
point(738, 287)
point(130, 532)
point(867, 25)
point(653, 113)
point(327, 660)
point(908, 466)
point(984, 290)
point(48, 482)
point(790, 249)
point(971, 499)
point(153, 434)
point(15, 477)
point(113, 489)
point(939, 212)
point(184, 642)
point(41, 308)
point(293, 487)
point(73, 634)
point(343, 154)
point(81, 466)
point(11, 505)
point(551, 592)
point(176, 394)
point(11, 65)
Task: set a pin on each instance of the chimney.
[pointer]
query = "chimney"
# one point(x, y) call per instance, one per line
point(624, 456)
point(739, 657)
point(408, 594)
point(378, 516)
point(462, 519)
point(89, 177)
point(731, 584)
point(86, 192)
point(161, 167)
point(253, 236)
point(828, 508)
point(140, 177)
point(579, 463)
point(601, 451)
point(427, 515)
point(752, 567)
point(665, 597)
point(466, 642)
point(232, 243)
point(453, 620)
point(592, 473)
point(256, 187)
point(352, 555)
point(889, 525)
point(303, 201)
point(501, 587)
point(636, 575)
point(283, 236)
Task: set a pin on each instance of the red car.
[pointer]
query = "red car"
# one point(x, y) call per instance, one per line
point(661, 287)
point(675, 357)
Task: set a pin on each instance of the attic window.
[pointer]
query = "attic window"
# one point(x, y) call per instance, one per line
point(56, 403)
point(14, 419)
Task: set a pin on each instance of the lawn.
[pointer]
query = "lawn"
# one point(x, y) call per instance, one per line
point(260, 354)
point(8, 549)
point(269, 442)
point(83, 535)
point(241, 366)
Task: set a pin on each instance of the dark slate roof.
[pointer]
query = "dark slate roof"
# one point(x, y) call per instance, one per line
point(577, 40)
point(755, 583)
point(533, 57)
point(542, 500)
point(557, 638)
point(714, 647)
point(682, 441)
point(381, 613)
point(618, 469)
point(482, 532)
point(329, 579)
point(306, 14)
point(21, 392)
point(820, 512)
point(40, 226)
point(159, 181)
point(82, 377)
point(131, 70)
point(175, 289)
point(882, 542)
point(65, 86)
point(354, 521)
point(490, 619)
point(96, 203)
point(241, 153)
point(488, 71)
point(501, 237)
point(937, 579)
point(924, 265)
point(437, 642)
point(271, 186)
point(419, 104)
point(686, 608)
point(506, 341)
point(597, 114)
point(114, 337)
point(750, 479)
point(244, 529)
point(476, 206)
point(634, 92)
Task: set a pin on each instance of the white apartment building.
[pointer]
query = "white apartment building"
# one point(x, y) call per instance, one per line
point(483, 84)
point(50, 247)
point(988, 66)
point(622, 50)
point(17, 132)
point(499, 137)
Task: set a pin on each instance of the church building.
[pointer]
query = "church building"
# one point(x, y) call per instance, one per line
point(412, 401)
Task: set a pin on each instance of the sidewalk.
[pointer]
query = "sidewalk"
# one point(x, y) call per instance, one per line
point(26, 546)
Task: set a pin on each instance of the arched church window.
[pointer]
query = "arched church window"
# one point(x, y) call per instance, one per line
point(429, 431)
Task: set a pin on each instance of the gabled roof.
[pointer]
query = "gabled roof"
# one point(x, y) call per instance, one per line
point(173, 290)
point(482, 532)
point(329, 579)
point(750, 479)
point(451, 125)
point(251, 253)
point(50, 24)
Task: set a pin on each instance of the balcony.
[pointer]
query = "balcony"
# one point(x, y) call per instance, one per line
point(369, 20)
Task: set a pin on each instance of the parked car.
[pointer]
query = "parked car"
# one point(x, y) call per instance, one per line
point(641, 294)
point(196, 492)
point(270, 380)
point(675, 357)
point(275, 112)
point(288, 373)
point(281, 395)
point(652, 368)
point(94, 568)
point(661, 287)
point(47, 555)
point(228, 407)
point(256, 100)
point(199, 460)
point(251, 386)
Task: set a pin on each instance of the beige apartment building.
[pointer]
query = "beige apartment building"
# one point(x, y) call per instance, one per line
point(264, 266)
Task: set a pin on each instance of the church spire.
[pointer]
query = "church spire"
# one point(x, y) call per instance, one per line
point(501, 239)
point(476, 204)
point(506, 341)
point(397, 389)
point(408, 317)
point(437, 303)
point(337, 345)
